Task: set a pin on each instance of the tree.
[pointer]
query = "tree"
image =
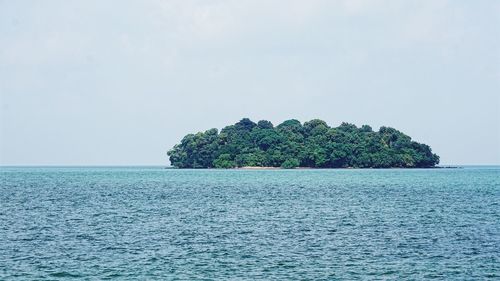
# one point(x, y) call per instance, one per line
point(291, 144)
point(290, 163)
point(264, 124)
point(224, 161)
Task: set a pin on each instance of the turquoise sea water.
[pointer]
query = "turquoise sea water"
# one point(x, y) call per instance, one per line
point(153, 223)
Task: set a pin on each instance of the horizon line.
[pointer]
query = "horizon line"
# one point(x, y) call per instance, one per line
point(166, 166)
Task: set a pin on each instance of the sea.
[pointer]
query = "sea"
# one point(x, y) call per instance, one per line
point(152, 223)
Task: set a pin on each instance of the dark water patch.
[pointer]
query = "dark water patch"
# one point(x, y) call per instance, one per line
point(64, 274)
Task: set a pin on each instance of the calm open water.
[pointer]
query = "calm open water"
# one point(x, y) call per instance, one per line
point(153, 223)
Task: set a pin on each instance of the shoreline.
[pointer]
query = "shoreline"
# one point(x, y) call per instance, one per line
point(271, 168)
point(345, 168)
point(259, 168)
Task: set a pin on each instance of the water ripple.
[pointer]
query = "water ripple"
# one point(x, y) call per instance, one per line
point(151, 223)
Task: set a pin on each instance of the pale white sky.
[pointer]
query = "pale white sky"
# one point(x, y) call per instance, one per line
point(120, 82)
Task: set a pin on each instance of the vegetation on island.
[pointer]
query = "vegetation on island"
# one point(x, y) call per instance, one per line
point(291, 144)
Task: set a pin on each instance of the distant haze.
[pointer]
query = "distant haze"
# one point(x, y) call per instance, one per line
point(121, 82)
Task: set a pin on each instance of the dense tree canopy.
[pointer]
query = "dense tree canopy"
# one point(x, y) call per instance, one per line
point(292, 144)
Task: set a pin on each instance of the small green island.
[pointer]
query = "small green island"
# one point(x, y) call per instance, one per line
point(292, 144)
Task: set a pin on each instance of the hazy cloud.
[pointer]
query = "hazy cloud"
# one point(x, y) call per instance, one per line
point(120, 82)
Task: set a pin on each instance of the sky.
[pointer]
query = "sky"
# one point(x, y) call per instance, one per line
point(120, 82)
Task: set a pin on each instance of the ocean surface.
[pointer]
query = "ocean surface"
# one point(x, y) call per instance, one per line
point(149, 223)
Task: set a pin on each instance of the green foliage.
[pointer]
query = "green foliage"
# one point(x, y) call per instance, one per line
point(224, 161)
point(290, 163)
point(291, 144)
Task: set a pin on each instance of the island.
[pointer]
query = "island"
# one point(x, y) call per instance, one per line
point(292, 144)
